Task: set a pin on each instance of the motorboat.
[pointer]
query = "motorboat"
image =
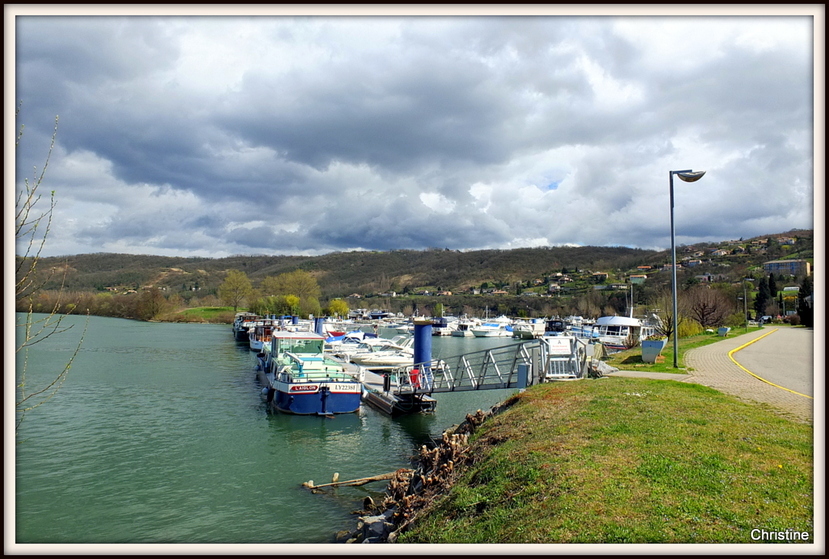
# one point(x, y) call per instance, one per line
point(463, 328)
point(494, 328)
point(529, 329)
point(393, 354)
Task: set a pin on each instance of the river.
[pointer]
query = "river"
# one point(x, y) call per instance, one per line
point(159, 435)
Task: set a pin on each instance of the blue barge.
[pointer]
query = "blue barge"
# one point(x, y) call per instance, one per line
point(299, 378)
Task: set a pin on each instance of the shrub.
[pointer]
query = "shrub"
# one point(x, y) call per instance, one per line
point(689, 327)
point(736, 320)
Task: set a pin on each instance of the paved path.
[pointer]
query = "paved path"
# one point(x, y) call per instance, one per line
point(781, 358)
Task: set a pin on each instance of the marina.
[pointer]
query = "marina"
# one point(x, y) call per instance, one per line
point(206, 437)
point(305, 373)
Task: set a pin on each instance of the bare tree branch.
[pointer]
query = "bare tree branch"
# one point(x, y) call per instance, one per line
point(32, 228)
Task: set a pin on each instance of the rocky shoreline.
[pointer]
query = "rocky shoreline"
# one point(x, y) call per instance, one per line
point(411, 491)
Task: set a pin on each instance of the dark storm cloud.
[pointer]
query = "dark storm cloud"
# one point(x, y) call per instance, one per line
point(187, 136)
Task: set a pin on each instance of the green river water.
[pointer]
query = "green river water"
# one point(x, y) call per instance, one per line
point(159, 436)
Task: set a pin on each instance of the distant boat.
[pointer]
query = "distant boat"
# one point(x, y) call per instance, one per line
point(617, 333)
point(443, 326)
point(528, 329)
point(492, 330)
point(464, 326)
point(389, 355)
point(242, 323)
point(298, 378)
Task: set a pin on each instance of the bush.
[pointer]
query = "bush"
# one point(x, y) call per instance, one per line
point(689, 327)
point(794, 320)
point(736, 320)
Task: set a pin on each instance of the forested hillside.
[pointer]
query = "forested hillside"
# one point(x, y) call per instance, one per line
point(340, 274)
point(528, 281)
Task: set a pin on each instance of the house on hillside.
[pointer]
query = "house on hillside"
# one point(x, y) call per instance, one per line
point(638, 279)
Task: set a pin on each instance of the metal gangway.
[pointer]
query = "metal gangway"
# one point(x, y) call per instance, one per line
point(511, 366)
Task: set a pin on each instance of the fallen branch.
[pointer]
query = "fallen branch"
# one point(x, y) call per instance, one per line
point(353, 482)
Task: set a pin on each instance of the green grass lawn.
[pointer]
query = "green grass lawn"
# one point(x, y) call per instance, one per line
point(627, 460)
point(204, 314)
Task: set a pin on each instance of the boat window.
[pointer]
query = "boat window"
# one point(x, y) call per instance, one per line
point(301, 346)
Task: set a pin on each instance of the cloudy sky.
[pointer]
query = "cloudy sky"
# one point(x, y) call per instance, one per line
point(219, 135)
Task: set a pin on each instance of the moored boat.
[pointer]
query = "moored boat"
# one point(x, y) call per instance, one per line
point(463, 328)
point(501, 327)
point(617, 333)
point(529, 329)
point(298, 378)
point(259, 333)
point(443, 325)
point(389, 355)
point(242, 323)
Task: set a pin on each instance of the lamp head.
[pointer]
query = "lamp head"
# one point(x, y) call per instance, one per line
point(690, 176)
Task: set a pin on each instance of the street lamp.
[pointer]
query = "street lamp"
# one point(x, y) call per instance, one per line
point(745, 305)
point(745, 300)
point(688, 176)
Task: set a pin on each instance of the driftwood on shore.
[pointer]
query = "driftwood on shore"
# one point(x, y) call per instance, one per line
point(410, 492)
point(354, 482)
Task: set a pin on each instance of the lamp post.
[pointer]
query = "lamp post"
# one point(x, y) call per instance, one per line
point(745, 305)
point(745, 300)
point(687, 176)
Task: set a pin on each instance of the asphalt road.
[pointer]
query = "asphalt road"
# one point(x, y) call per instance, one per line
point(780, 368)
point(784, 357)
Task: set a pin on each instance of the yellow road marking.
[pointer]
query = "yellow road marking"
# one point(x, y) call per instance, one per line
point(733, 351)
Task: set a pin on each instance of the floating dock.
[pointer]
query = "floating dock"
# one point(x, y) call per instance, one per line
point(377, 393)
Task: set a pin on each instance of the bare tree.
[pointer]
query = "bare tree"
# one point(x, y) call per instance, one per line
point(32, 227)
point(710, 307)
point(665, 312)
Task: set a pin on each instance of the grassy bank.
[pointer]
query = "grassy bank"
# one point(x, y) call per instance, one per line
point(622, 460)
point(213, 315)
